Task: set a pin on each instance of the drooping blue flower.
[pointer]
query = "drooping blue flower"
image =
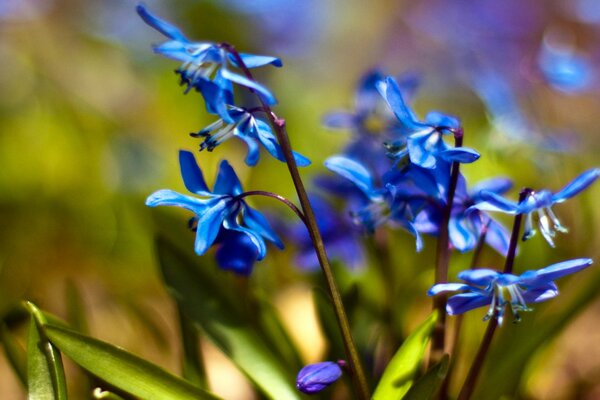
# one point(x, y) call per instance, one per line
point(315, 377)
point(246, 126)
point(206, 66)
point(423, 142)
point(541, 203)
point(340, 236)
point(221, 216)
point(488, 287)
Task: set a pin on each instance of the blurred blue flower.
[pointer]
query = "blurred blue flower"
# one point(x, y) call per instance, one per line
point(540, 202)
point(486, 286)
point(206, 66)
point(423, 141)
point(245, 126)
point(315, 377)
point(340, 236)
point(222, 216)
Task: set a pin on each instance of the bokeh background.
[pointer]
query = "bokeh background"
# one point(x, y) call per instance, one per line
point(91, 122)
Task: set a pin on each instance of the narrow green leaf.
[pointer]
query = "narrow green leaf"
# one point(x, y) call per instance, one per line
point(399, 374)
point(193, 365)
point(212, 306)
point(15, 353)
point(122, 369)
point(426, 387)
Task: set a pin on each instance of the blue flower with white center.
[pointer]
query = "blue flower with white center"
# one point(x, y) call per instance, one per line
point(315, 377)
point(541, 203)
point(222, 216)
point(423, 142)
point(246, 126)
point(206, 66)
point(485, 287)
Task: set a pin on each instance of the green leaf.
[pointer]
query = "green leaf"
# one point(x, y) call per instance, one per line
point(399, 374)
point(15, 353)
point(45, 372)
point(193, 366)
point(201, 293)
point(426, 387)
point(122, 369)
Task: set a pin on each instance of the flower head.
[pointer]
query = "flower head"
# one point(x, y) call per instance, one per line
point(246, 126)
point(222, 216)
point(488, 287)
point(315, 377)
point(206, 66)
point(541, 203)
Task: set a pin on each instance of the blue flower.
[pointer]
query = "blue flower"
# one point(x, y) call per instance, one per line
point(206, 66)
point(488, 287)
point(423, 142)
point(222, 216)
point(540, 202)
point(315, 377)
point(244, 125)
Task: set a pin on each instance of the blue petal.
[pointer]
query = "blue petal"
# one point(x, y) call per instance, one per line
point(576, 185)
point(463, 155)
point(340, 120)
point(464, 302)
point(495, 185)
point(266, 137)
point(555, 271)
point(493, 202)
point(253, 154)
point(241, 80)
point(479, 277)
point(227, 182)
point(254, 61)
point(182, 51)
point(447, 287)
point(236, 252)
point(497, 237)
point(259, 224)
point(160, 25)
point(171, 198)
point(315, 377)
point(462, 238)
point(405, 115)
point(232, 224)
point(191, 174)
point(440, 120)
point(541, 293)
point(352, 171)
point(209, 224)
point(418, 149)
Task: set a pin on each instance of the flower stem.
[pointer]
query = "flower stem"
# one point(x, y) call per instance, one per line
point(357, 372)
point(443, 261)
point(476, 367)
point(278, 197)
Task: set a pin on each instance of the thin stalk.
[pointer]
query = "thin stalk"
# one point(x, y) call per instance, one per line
point(275, 196)
point(438, 337)
point(357, 372)
point(476, 367)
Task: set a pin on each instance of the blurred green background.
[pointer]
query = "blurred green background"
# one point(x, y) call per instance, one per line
point(91, 122)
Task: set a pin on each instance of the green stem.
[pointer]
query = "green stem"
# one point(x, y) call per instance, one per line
point(438, 337)
point(476, 367)
point(358, 376)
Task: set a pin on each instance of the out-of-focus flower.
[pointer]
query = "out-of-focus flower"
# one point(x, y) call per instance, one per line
point(222, 216)
point(423, 142)
point(247, 127)
point(540, 202)
point(206, 66)
point(315, 377)
point(488, 287)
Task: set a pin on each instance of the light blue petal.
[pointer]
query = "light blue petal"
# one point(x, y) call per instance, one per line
point(254, 61)
point(352, 171)
point(266, 95)
point(493, 202)
point(462, 238)
point(554, 271)
point(160, 25)
point(464, 302)
point(541, 293)
point(497, 237)
point(266, 137)
point(209, 223)
point(167, 197)
point(463, 155)
point(191, 174)
point(576, 185)
point(418, 150)
point(259, 224)
point(447, 287)
point(498, 185)
point(439, 120)
point(405, 115)
point(227, 182)
point(479, 277)
point(253, 154)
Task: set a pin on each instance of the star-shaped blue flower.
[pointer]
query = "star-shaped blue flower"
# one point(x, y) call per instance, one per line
point(206, 66)
point(246, 126)
point(222, 216)
point(541, 203)
point(423, 142)
point(488, 287)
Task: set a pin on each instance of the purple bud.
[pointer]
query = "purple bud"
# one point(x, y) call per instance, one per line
point(315, 377)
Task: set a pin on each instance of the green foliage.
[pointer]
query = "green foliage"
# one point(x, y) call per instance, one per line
point(426, 387)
